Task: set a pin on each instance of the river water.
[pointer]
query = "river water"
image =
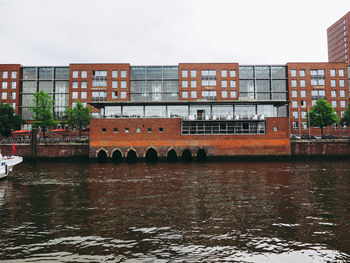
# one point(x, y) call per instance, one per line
point(211, 212)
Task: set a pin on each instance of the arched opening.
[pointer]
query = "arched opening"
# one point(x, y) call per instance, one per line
point(151, 156)
point(186, 156)
point(171, 157)
point(131, 157)
point(201, 156)
point(117, 156)
point(102, 156)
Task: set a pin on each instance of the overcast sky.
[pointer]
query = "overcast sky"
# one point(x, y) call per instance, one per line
point(165, 32)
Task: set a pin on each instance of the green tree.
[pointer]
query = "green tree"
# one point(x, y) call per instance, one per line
point(8, 120)
point(346, 117)
point(42, 110)
point(78, 117)
point(321, 115)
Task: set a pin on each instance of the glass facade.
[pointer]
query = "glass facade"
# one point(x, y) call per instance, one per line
point(154, 83)
point(263, 83)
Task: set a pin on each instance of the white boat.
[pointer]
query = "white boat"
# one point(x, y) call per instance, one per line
point(7, 163)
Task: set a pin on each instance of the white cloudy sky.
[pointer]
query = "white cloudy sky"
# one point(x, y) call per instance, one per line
point(161, 32)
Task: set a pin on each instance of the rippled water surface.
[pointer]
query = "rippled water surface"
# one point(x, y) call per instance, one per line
point(212, 212)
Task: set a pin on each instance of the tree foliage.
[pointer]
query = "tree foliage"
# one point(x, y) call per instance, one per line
point(8, 120)
point(322, 115)
point(346, 117)
point(78, 117)
point(42, 110)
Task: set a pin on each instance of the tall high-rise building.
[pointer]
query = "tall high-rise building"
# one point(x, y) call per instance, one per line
point(338, 40)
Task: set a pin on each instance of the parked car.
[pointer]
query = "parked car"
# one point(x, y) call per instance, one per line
point(330, 136)
point(294, 137)
point(308, 137)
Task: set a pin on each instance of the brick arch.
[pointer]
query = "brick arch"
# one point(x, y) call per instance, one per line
point(103, 149)
point(149, 147)
point(118, 149)
point(129, 149)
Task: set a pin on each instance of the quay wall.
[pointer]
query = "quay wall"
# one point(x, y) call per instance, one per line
point(334, 147)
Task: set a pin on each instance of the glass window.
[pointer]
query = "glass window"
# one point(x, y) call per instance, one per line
point(302, 83)
point(193, 73)
point(83, 95)
point(193, 84)
point(115, 74)
point(294, 93)
point(293, 73)
point(246, 72)
point(123, 74)
point(342, 104)
point(13, 74)
point(302, 73)
point(123, 95)
point(333, 93)
point(138, 130)
point(303, 114)
point(295, 114)
point(184, 73)
point(184, 94)
point(13, 95)
point(193, 94)
point(294, 83)
point(295, 125)
point(303, 103)
point(4, 85)
point(341, 83)
point(75, 84)
point(332, 72)
point(114, 84)
point(185, 84)
point(341, 72)
point(4, 74)
point(74, 95)
point(224, 94)
point(223, 73)
point(84, 74)
point(13, 85)
point(233, 94)
point(4, 95)
point(303, 93)
point(75, 74)
point(333, 83)
point(123, 84)
point(83, 84)
point(115, 95)
point(342, 93)
point(295, 104)
point(232, 73)
point(334, 103)
point(224, 83)
point(232, 83)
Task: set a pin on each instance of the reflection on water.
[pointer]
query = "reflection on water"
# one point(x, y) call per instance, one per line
point(227, 212)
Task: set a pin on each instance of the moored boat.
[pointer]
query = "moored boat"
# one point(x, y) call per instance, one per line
point(7, 163)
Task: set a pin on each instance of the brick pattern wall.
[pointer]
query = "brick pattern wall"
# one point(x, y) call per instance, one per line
point(10, 85)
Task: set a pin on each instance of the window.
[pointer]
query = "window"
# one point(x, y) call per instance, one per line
point(4, 85)
point(13, 74)
point(317, 72)
point(233, 94)
point(342, 93)
point(99, 74)
point(304, 125)
point(75, 74)
point(161, 129)
point(149, 130)
point(13, 95)
point(185, 84)
point(115, 74)
point(193, 94)
point(193, 84)
point(114, 84)
point(333, 93)
point(224, 94)
point(138, 130)
point(104, 130)
point(232, 83)
point(74, 95)
point(83, 84)
point(341, 83)
point(123, 74)
point(114, 94)
point(184, 94)
point(302, 83)
point(303, 114)
point(123, 95)
point(332, 72)
point(223, 73)
point(13, 104)
point(295, 114)
point(184, 73)
point(115, 130)
point(84, 74)
point(126, 130)
point(303, 93)
point(335, 126)
point(334, 103)
point(4, 95)
point(341, 72)
point(4, 74)
point(342, 104)
point(232, 73)
point(13, 85)
point(333, 83)
point(294, 93)
point(293, 73)
point(193, 73)
point(83, 95)
point(294, 83)
point(295, 125)
point(123, 84)
point(295, 104)
point(313, 102)
point(275, 129)
point(302, 73)
point(224, 84)
point(303, 103)
point(75, 84)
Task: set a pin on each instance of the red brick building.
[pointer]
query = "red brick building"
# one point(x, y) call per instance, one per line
point(10, 85)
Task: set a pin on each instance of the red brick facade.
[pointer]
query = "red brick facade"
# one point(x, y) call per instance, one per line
point(10, 85)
